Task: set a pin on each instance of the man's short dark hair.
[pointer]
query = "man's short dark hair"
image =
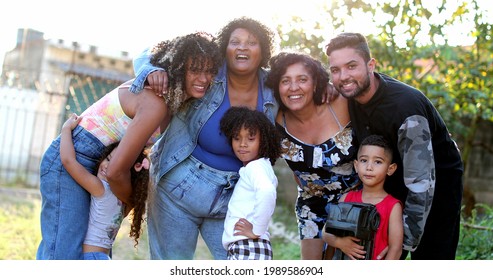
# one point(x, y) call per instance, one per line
point(350, 40)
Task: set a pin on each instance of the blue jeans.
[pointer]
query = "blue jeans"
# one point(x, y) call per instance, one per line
point(189, 199)
point(96, 256)
point(64, 203)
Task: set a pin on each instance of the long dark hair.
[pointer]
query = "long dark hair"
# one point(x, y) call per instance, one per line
point(140, 190)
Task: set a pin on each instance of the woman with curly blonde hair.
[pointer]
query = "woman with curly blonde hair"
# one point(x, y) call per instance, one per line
point(135, 121)
point(183, 56)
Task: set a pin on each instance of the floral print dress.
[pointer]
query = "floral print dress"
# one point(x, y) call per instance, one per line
point(324, 172)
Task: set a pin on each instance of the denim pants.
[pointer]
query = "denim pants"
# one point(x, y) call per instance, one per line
point(96, 256)
point(189, 199)
point(64, 203)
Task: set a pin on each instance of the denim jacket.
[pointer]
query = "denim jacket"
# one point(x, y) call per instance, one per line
point(180, 138)
point(142, 69)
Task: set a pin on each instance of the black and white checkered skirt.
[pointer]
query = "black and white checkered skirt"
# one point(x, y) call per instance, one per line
point(250, 249)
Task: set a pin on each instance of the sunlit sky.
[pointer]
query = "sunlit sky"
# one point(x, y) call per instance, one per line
point(132, 25)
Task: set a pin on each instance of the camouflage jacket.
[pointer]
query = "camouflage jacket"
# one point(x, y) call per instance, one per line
point(422, 150)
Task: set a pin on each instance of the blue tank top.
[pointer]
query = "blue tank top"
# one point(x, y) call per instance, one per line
point(213, 148)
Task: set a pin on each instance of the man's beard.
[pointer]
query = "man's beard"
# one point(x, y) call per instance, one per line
point(358, 91)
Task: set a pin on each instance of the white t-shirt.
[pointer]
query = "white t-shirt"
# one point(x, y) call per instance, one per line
point(254, 198)
point(105, 218)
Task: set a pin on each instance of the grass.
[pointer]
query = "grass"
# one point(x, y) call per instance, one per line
point(284, 233)
point(20, 233)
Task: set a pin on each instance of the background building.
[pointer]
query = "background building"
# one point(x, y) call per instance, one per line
point(43, 80)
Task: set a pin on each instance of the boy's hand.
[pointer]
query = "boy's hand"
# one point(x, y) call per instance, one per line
point(71, 122)
point(349, 246)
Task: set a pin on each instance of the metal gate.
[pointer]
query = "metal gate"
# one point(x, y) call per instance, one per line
point(30, 119)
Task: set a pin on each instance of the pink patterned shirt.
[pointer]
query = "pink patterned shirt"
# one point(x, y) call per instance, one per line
point(106, 120)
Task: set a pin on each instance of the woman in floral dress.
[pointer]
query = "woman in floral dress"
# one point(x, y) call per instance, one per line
point(317, 142)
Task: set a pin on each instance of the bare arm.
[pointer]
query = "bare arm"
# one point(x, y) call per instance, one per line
point(88, 181)
point(396, 233)
point(347, 244)
point(148, 113)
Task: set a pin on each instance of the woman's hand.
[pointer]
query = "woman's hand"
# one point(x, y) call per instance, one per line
point(331, 93)
point(158, 81)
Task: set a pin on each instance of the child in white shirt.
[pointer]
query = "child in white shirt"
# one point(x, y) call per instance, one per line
point(255, 142)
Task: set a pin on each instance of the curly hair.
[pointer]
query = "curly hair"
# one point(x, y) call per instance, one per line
point(280, 63)
point(140, 189)
point(200, 48)
point(237, 118)
point(264, 35)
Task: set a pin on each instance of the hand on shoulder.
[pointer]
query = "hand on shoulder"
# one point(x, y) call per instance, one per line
point(332, 93)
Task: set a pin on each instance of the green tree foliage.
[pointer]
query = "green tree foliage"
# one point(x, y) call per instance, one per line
point(411, 41)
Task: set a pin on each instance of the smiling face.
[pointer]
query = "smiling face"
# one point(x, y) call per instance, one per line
point(351, 76)
point(197, 82)
point(296, 87)
point(243, 53)
point(246, 145)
